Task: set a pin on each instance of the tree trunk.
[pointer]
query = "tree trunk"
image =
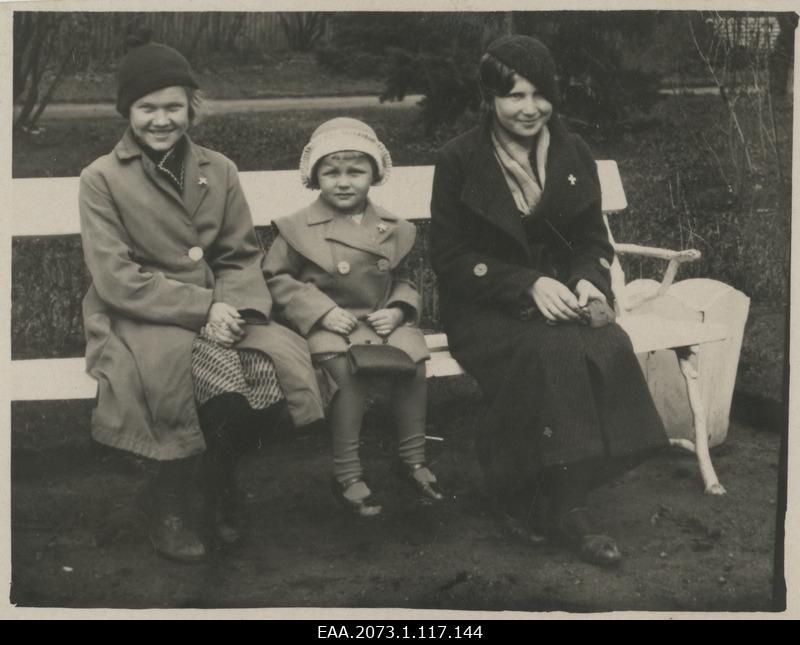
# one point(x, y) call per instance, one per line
point(781, 59)
point(51, 90)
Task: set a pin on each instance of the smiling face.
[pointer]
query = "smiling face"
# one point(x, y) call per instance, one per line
point(523, 111)
point(344, 179)
point(160, 118)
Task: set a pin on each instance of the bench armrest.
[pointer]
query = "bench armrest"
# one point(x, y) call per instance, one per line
point(675, 259)
point(689, 255)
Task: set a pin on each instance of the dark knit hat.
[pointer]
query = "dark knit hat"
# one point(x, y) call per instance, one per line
point(529, 58)
point(148, 67)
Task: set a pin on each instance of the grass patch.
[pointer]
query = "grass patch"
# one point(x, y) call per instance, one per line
point(274, 75)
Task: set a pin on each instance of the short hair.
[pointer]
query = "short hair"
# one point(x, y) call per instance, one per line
point(199, 107)
point(496, 78)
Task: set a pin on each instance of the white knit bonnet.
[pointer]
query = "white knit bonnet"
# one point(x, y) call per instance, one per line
point(338, 135)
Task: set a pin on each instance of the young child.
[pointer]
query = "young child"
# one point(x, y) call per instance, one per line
point(336, 273)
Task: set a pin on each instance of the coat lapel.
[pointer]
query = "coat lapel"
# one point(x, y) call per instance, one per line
point(570, 186)
point(486, 192)
point(196, 186)
point(365, 236)
point(194, 189)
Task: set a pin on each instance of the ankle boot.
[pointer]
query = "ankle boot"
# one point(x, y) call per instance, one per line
point(167, 509)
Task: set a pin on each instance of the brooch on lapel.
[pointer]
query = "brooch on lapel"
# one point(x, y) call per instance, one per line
point(202, 181)
point(572, 180)
point(382, 228)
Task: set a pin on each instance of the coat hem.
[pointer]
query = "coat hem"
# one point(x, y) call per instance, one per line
point(147, 449)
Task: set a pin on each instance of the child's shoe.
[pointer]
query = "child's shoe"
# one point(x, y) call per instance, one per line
point(355, 496)
point(423, 481)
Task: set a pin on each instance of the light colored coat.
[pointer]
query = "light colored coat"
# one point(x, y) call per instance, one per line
point(322, 259)
point(152, 289)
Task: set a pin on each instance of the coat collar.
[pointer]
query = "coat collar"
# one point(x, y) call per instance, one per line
point(485, 188)
point(308, 231)
point(195, 183)
point(371, 235)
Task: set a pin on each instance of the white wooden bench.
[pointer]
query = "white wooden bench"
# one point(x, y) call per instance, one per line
point(692, 387)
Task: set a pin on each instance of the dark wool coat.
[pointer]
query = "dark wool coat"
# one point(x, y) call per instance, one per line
point(158, 260)
point(557, 394)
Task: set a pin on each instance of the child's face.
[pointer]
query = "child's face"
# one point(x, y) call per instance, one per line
point(344, 180)
point(160, 118)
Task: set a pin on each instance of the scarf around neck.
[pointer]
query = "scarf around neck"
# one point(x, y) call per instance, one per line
point(515, 161)
point(169, 163)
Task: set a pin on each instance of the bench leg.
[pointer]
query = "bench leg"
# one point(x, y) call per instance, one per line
point(687, 358)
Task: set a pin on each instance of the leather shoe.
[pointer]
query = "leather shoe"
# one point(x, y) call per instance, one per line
point(423, 483)
point(168, 530)
point(575, 527)
point(522, 530)
point(361, 505)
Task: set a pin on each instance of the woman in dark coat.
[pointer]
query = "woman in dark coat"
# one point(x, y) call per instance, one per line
point(522, 258)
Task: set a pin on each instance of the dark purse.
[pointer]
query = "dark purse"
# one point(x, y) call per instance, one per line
point(382, 359)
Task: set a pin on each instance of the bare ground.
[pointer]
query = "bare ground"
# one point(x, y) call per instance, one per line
point(77, 542)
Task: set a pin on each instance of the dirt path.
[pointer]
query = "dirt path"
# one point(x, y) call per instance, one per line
point(77, 543)
point(84, 110)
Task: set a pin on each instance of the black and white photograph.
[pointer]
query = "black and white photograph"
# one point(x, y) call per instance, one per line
point(393, 308)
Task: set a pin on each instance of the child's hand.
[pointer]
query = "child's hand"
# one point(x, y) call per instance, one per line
point(339, 321)
point(385, 321)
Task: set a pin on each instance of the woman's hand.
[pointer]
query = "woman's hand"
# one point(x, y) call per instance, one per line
point(586, 291)
point(385, 321)
point(554, 300)
point(224, 324)
point(339, 321)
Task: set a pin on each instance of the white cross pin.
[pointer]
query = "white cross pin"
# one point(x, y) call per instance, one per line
point(571, 180)
point(202, 181)
point(382, 228)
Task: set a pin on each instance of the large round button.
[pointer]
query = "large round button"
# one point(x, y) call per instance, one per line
point(343, 267)
point(195, 253)
point(383, 264)
point(480, 269)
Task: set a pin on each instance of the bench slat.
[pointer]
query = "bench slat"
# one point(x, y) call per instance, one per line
point(49, 205)
point(436, 342)
point(650, 333)
point(65, 378)
point(49, 379)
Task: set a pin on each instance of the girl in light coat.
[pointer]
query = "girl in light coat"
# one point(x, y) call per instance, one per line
point(178, 318)
point(337, 274)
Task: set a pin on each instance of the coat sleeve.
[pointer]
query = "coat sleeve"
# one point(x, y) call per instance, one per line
point(121, 282)
point(469, 276)
point(300, 303)
point(236, 255)
point(592, 252)
point(404, 293)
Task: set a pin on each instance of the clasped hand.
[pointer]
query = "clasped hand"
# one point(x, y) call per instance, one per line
point(558, 303)
point(383, 321)
point(224, 325)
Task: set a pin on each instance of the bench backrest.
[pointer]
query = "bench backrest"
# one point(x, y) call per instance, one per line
point(49, 206)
